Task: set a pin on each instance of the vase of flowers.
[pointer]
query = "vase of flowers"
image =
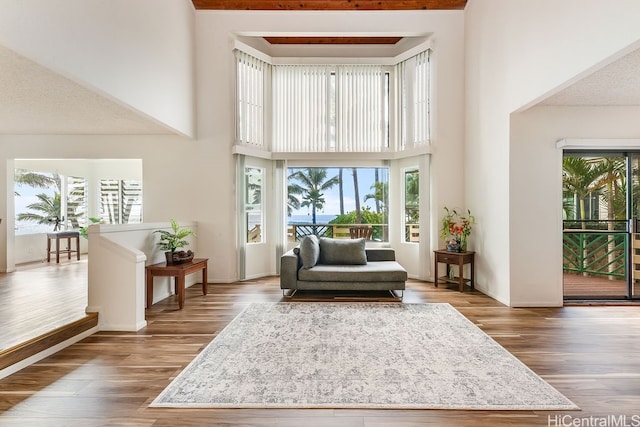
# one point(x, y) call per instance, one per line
point(456, 228)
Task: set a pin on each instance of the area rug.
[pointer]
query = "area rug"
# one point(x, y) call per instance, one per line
point(357, 355)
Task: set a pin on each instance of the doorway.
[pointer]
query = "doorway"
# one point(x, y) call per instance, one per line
point(601, 242)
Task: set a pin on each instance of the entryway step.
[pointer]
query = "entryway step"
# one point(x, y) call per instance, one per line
point(45, 341)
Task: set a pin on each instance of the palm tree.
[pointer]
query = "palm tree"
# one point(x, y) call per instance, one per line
point(356, 195)
point(379, 195)
point(312, 182)
point(47, 209)
point(341, 191)
point(580, 177)
point(35, 179)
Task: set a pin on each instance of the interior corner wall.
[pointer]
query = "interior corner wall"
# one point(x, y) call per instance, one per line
point(515, 54)
point(138, 53)
point(536, 199)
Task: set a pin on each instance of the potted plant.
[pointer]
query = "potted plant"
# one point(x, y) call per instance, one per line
point(83, 230)
point(175, 239)
point(456, 228)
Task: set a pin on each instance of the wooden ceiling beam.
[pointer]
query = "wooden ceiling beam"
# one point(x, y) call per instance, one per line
point(330, 4)
point(333, 40)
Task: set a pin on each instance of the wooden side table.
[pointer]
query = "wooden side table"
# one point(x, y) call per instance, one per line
point(179, 271)
point(455, 258)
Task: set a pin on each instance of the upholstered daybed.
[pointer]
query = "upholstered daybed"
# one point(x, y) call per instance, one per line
point(340, 264)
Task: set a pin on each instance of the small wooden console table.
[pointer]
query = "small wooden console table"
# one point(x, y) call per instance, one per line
point(179, 271)
point(455, 258)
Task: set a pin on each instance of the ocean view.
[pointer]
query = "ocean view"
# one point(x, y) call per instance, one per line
point(306, 219)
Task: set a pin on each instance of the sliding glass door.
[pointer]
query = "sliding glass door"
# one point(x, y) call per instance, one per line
point(601, 250)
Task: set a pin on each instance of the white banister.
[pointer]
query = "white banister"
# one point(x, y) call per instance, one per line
point(117, 258)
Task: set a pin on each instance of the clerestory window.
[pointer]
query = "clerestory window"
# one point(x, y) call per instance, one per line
point(332, 108)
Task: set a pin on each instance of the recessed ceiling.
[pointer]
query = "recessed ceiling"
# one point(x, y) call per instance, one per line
point(331, 4)
point(36, 100)
point(615, 84)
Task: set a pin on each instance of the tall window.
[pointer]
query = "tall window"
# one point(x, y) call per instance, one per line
point(411, 205)
point(253, 204)
point(252, 75)
point(120, 201)
point(414, 87)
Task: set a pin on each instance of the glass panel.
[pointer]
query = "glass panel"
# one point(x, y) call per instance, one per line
point(329, 201)
point(634, 160)
point(76, 203)
point(37, 202)
point(253, 204)
point(595, 238)
point(411, 205)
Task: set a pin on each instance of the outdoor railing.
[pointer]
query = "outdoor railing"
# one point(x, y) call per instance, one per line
point(295, 232)
point(596, 248)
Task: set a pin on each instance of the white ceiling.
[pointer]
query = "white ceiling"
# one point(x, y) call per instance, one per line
point(36, 100)
point(617, 83)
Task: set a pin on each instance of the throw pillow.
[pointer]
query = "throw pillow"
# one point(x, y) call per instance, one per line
point(309, 251)
point(342, 251)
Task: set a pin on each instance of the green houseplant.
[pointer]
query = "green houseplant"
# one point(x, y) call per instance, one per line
point(175, 239)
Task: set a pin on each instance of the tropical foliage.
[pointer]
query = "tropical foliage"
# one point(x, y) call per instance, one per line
point(310, 183)
point(170, 241)
point(602, 179)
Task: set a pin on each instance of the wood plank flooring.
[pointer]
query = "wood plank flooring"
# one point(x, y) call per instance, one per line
point(40, 297)
point(591, 354)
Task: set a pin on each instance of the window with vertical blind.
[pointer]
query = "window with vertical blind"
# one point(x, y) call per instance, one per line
point(252, 76)
point(320, 108)
point(413, 77)
point(333, 108)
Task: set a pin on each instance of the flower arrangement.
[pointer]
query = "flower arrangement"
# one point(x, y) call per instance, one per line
point(456, 228)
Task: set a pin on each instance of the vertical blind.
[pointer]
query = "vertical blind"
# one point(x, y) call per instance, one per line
point(414, 83)
point(251, 75)
point(322, 108)
point(301, 114)
point(361, 109)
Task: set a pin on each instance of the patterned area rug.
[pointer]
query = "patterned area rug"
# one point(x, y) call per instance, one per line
point(357, 355)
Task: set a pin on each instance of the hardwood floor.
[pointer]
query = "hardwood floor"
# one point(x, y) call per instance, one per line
point(39, 297)
point(591, 354)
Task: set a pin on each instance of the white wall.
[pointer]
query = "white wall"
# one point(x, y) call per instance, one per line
point(215, 32)
point(516, 53)
point(539, 220)
point(136, 51)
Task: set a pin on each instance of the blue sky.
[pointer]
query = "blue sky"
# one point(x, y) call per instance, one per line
point(332, 196)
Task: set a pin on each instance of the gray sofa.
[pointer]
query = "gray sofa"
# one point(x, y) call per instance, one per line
point(340, 264)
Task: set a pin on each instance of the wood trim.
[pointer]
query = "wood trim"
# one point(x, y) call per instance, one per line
point(333, 40)
point(330, 4)
point(34, 346)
